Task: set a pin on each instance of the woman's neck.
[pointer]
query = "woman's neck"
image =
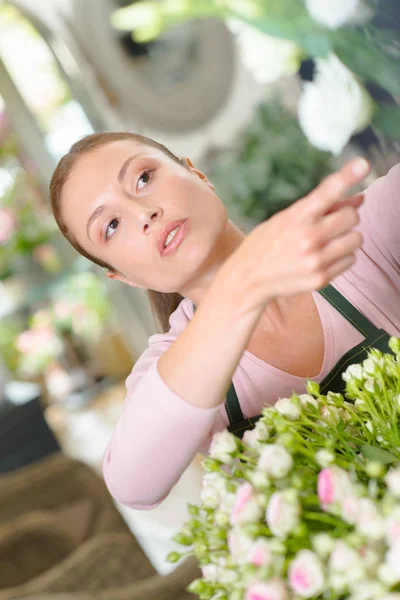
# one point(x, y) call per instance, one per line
point(197, 288)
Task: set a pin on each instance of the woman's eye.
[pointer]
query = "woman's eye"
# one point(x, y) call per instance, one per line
point(143, 180)
point(112, 227)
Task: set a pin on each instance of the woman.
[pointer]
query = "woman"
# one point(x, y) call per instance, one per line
point(155, 222)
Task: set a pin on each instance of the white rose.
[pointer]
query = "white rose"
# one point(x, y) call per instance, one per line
point(223, 446)
point(393, 481)
point(353, 372)
point(210, 572)
point(393, 527)
point(308, 399)
point(267, 58)
point(369, 521)
point(367, 590)
point(335, 13)
point(260, 553)
point(288, 409)
point(334, 106)
point(275, 461)
point(259, 479)
point(306, 576)
point(213, 490)
point(392, 560)
point(239, 544)
point(322, 544)
point(282, 514)
point(345, 567)
point(253, 437)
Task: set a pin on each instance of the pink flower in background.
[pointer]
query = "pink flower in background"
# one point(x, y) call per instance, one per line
point(333, 485)
point(260, 554)
point(7, 225)
point(246, 508)
point(306, 576)
point(46, 255)
point(36, 339)
point(273, 590)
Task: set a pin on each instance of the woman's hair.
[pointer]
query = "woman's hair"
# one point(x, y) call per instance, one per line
point(163, 305)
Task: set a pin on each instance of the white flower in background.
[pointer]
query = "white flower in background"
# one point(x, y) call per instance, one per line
point(253, 437)
point(223, 446)
point(246, 508)
point(370, 522)
point(367, 590)
point(332, 108)
point(272, 590)
point(282, 514)
point(345, 567)
point(393, 596)
point(393, 527)
point(259, 479)
point(306, 575)
point(392, 562)
point(322, 544)
point(336, 13)
point(239, 544)
point(275, 461)
point(267, 58)
point(210, 572)
point(213, 490)
point(288, 409)
point(334, 484)
point(324, 458)
point(392, 480)
point(350, 508)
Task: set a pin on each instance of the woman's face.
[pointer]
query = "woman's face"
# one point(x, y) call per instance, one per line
point(157, 223)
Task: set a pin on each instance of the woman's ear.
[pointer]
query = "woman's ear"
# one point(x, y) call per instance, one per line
point(118, 277)
point(199, 174)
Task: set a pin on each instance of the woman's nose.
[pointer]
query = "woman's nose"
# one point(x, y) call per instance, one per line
point(148, 217)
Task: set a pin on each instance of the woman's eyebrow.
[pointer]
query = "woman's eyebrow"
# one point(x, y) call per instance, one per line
point(96, 213)
point(126, 164)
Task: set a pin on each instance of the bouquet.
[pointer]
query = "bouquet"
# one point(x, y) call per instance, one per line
point(307, 505)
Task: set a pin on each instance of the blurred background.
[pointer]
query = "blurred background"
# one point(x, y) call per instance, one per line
point(68, 336)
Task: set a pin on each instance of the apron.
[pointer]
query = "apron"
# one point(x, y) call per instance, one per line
point(333, 382)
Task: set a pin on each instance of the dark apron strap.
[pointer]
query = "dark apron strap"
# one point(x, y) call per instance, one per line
point(374, 337)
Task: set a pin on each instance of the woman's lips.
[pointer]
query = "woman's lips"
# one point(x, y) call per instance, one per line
point(183, 228)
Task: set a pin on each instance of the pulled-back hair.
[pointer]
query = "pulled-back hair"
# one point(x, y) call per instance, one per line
point(162, 304)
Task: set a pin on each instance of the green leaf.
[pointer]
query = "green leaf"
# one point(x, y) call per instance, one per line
point(377, 454)
point(387, 119)
point(291, 21)
point(367, 60)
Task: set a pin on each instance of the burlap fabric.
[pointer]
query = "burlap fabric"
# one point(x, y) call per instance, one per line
point(62, 537)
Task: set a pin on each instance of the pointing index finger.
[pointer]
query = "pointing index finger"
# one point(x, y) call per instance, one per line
point(334, 187)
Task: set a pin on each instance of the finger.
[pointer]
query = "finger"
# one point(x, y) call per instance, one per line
point(334, 187)
point(338, 268)
point(336, 224)
point(340, 248)
point(354, 201)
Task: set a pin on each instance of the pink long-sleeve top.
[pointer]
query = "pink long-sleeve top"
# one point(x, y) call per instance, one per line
point(159, 433)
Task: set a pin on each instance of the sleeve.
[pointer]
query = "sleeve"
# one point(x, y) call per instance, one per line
point(157, 435)
point(380, 215)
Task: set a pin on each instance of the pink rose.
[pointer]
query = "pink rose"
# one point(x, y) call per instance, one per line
point(333, 485)
point(282, 513)
point(306, 576)
point(272, 590)
point(260, 554)
point(246, 508)
point(7, 225)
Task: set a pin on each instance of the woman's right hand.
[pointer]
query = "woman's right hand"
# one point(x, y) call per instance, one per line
point(305, 246)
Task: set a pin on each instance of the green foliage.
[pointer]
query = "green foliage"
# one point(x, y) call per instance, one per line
point(271, 165)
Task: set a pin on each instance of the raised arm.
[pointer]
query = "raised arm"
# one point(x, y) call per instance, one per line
point(176, 389)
